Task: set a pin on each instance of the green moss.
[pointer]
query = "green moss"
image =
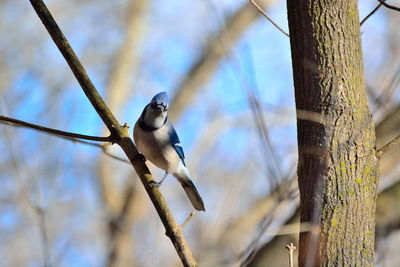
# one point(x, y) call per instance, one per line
point(359, 181)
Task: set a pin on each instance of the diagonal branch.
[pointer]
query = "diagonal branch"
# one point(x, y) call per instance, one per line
point(15, 122)
point(75, 65)
point(388, 146)
point(389, 6)
point(371, 13)
point(173, 231)
point(268, 18)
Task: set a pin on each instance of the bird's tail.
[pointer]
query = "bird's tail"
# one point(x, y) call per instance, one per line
point(192, 193)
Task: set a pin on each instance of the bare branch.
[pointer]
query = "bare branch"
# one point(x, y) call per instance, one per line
point(291, 249)
point(389, 6)
point(111, 155)
point(370, 14)
point(40, 212)
point(268, 18)
point(173, 231)
point(388, 146)
point(118, 223)
point(65, 135)
point(15, 122)
point(188, 219)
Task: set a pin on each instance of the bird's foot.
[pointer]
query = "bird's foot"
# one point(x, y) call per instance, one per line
point(156, 185)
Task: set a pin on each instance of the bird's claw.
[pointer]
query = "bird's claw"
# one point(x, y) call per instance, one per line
point(155, 185)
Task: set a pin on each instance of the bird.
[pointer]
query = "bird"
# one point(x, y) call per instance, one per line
point(157, 140)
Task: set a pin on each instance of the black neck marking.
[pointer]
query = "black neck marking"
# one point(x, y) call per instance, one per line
point(145, 127)
point(148, 128)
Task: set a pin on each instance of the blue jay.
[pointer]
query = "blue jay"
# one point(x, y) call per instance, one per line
point(156, 139)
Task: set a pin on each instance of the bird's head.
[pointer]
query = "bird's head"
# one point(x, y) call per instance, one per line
point(155, 114)
point(160, 102)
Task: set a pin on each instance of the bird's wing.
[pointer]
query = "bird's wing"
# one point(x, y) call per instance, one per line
point(176, 144)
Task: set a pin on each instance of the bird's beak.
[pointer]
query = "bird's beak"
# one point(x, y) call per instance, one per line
point(161, 108)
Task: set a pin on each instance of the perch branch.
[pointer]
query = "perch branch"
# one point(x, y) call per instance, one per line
point(119, 132)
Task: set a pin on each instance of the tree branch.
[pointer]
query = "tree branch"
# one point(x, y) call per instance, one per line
point(173, 231)
point(65, 135)
point(389, 6)
point(388, 146)
point(268, 18)
point(370, 14)
point(15, 122)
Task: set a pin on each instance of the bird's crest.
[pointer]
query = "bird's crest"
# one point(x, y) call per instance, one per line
point(160, 99)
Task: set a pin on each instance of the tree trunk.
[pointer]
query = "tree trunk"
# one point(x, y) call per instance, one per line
point(338, 168)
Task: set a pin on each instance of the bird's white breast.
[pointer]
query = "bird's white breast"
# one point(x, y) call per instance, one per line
point(156, 147)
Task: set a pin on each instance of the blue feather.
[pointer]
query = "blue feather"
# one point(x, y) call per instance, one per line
point(176, 144)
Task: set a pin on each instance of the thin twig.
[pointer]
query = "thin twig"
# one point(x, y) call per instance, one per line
point(388, 146)
point(291, 249)
point(113, 156)
point(66, 137)
point(370, 14)
point(41, 214)
point(387, 93)
point(187, 220)
point(389, 6)
point(15, 122)
point(102, 147)
point(268, 18)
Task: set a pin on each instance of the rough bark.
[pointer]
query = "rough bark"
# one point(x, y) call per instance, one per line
point(387, 221)
point(338, 168)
